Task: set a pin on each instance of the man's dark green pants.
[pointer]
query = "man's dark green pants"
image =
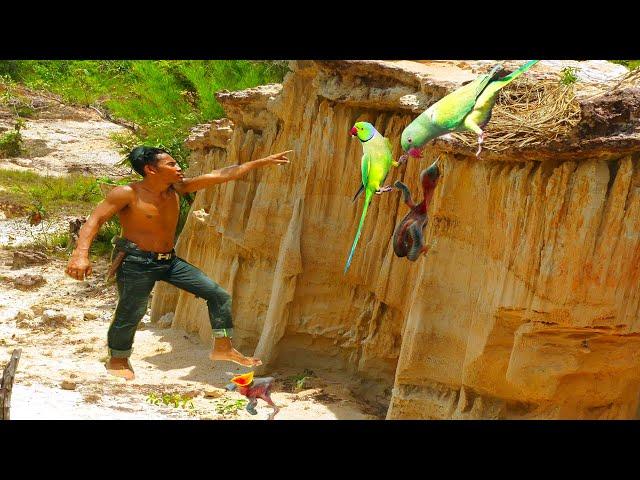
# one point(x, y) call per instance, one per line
point(135, 278)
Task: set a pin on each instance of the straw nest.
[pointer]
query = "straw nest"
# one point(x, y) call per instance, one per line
point(530, 113)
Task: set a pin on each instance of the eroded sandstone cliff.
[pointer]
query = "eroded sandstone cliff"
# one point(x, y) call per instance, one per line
point(527, 304)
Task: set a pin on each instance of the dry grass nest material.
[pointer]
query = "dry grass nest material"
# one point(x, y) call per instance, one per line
point(530, 113)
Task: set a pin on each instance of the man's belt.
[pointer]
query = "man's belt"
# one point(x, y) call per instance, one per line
point(132, 249)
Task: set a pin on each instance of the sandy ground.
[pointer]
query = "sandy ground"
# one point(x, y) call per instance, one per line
point(15, 231)
point(61, 147)
point(72, 349)
point(60, 139)
point(61, 325)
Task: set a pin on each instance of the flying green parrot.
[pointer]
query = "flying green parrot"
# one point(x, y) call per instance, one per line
point(376, 163)
point(467, 108)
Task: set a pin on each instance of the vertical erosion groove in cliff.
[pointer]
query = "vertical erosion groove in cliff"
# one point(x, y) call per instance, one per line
point(534, 297)
point(525, 307)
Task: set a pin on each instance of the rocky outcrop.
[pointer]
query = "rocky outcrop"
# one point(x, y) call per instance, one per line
point(526, 306)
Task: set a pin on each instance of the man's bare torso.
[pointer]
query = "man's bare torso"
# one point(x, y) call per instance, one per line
point(150, 219)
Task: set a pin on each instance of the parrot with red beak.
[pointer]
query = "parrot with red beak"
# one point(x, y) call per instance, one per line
point(466, 108)
point(375, 165)
point(408, 240)
point(253, 389)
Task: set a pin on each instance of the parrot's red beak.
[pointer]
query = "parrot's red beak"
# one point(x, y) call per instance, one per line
point(353, 131)
point(415, 152)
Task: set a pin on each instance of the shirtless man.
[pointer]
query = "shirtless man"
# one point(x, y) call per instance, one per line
point(148, 212)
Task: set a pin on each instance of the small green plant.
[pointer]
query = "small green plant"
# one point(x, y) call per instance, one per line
point(10, 97)
point(568, 75)
point(229, 406)
point(60, 241)
point(6, 82)
point(37, 212)
point(175, 400)
point(24, 109)
point(12, 143)
point(297, 382)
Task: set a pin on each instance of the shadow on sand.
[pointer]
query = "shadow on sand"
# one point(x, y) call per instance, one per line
point(188, 352)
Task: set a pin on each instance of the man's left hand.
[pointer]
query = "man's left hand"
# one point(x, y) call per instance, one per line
point(277, 158)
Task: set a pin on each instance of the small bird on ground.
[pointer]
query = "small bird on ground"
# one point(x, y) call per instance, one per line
point(253, 389)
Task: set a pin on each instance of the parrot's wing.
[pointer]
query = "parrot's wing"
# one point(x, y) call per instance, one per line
point(366, 165)
point(449, 112)
point(388, 162)
point(481, 112)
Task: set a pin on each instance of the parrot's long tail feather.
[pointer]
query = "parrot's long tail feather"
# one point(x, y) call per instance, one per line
point(493, 87)
point(516, 73)
point(367, 200)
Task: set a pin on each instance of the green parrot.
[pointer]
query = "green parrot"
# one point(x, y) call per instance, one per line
point(467, 108)
point(376, 163)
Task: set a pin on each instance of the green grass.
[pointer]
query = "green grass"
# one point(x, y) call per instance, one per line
point(229, 406)
point(630, 64)
point(53, 193)
point(75, 195)
point(101, 245)
point(568, 75)
point(55, 196)
point(297, 382)
point(12, 99)
point(11, 142)
point(57, 242)
point(165, 98)
point(175, 400)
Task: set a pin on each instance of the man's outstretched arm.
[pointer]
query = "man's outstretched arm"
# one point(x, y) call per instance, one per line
point(227, 174)
point(79, 264)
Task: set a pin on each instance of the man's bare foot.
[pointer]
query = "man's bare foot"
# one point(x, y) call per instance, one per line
point(223, 350)
point(235, 356)
point(120, 367)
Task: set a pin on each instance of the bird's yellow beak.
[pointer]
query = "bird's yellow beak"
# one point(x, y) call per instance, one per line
point(243, 380)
